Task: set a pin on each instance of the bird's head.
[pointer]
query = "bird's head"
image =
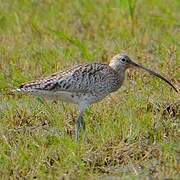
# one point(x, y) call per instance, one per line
point(121, 62)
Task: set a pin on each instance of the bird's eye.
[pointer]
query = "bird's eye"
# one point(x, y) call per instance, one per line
point(123, 59)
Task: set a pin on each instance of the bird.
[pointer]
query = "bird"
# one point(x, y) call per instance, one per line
point(85, 84)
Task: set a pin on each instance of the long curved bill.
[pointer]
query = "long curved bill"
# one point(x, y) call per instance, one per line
point(154, 73)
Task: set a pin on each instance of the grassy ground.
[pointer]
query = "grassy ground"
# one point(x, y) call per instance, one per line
point(133, 133)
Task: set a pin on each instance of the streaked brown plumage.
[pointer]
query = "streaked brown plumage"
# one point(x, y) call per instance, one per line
point(84, 84)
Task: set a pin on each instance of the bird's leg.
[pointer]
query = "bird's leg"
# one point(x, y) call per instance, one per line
point(83, 124)
point(80, 124)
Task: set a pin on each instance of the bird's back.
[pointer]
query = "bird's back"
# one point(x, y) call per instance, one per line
point(96, 79)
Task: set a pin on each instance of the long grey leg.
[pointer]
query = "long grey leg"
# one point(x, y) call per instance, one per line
point(80, 124)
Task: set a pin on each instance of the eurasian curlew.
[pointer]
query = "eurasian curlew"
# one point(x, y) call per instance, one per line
point(85, 84)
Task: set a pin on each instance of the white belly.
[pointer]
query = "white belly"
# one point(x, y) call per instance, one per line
point(71, 97)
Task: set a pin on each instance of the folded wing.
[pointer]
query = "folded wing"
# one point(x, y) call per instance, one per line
point(81, 78)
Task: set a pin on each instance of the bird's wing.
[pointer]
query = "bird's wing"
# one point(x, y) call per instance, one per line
point(81, 78)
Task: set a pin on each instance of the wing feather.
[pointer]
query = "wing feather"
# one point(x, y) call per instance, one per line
point(81, 78)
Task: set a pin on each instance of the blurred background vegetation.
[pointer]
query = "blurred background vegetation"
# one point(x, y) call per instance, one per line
point(132, 134)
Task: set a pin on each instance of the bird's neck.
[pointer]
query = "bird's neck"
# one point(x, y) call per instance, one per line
point(120, 70)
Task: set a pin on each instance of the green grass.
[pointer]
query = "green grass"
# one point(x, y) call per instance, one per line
point(134, 133)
